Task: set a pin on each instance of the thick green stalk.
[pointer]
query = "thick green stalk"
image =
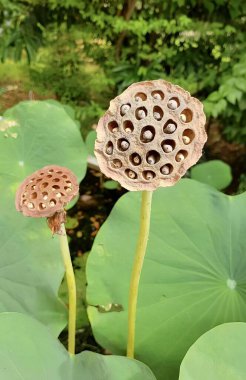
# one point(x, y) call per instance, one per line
point(137, 268)
point(71, 290)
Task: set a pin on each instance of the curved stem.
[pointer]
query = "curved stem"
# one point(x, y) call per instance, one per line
point(137, 268)
point(71, 289)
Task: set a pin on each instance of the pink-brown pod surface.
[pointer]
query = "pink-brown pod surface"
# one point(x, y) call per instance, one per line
point(150, 135)
point(46, 191)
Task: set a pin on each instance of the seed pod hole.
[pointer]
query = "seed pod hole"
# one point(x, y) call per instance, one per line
point(41, 206)
point(34, 195)
point(147, 134)
point(168, 146)
point(51, 171)
point(124, 109)
point(188, 136)
point(128, 126)
point(166, 169)
point(140, 96)
point(44, 185)
point(153, 157)
point(52, 203)
point(109, 148)
point(116, 163)
point(148, 175)
point(30, 205)
point(173, 103)
point(181, 155)
point(123, 144)
point(186, 115)
point(158, 113)
point(170, 126)
point(55, 187)
point(56, 180)
point(64, 176)
point(140, 113)
point(131, 174)
point(135, 159)
point(157, 95)
point(113, 126)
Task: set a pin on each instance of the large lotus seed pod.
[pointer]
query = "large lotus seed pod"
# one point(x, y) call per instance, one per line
point(150, 135)
point(45, 193)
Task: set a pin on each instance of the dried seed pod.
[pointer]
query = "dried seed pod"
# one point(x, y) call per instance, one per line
point(45, 194)
point(146, 113)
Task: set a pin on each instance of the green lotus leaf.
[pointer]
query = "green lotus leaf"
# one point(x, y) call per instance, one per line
point(215, 173)
point(193, 276)
point(28, 351)
point(219, 354)
point(33, 134)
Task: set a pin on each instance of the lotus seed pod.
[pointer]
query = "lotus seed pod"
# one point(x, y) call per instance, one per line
point(45, 193)
point(165, 135)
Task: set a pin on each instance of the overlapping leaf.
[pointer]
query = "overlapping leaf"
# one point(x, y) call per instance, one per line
point(193, 276)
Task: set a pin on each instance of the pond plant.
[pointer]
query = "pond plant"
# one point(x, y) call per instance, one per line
point(152, 133)
point(179, 305)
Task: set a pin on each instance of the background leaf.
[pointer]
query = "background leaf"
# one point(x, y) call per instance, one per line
point(29, 352)
point(215, 173)
point(219, 354)
point(193, 276)
point(31, 269)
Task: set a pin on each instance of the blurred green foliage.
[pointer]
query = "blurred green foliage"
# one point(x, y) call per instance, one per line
point(92, 50)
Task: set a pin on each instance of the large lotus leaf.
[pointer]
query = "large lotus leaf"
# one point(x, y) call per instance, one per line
point(194, 274)
point(29, 352)
point(219, 354)
point(40, 133)
point(32, 135)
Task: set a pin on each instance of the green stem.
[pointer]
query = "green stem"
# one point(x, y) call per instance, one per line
point(71, 289)
point(137, 268)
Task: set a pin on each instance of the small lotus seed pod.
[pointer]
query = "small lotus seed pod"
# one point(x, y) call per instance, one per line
point(186, 140)
point(125, 108)
point(167, 148)
point(170, 128)
point(172, 104)
point(141, 114)
point(147, 142)
point(165, 170)
point(180, 157)
point(44, 194)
